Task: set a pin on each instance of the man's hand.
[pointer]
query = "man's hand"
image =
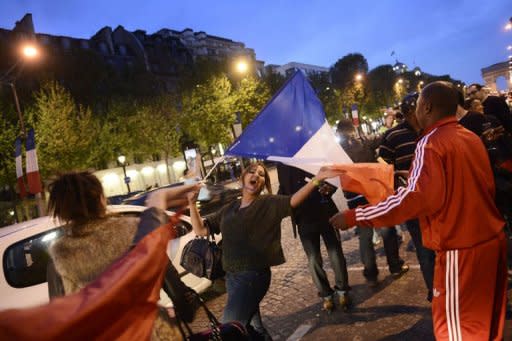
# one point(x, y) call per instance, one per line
point(338, 221)
point(172, 197)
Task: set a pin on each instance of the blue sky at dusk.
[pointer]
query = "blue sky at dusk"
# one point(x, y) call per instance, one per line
point(442, 37)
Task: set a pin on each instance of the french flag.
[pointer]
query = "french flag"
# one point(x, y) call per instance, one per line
point(291, 129)
point(19, 168)
point(33, 177)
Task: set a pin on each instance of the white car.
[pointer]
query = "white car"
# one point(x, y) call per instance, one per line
point(24, 250)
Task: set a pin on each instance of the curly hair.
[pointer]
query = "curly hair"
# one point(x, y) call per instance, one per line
point(76, 197)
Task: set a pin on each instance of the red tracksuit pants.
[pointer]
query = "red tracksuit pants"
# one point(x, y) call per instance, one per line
point(470, 292)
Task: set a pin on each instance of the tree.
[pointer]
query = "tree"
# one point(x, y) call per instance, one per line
point(8, 132)
point(273, 80)
point(345, 69)
point(207, 112)
point(380, 83)
point(158, 130)
point(65, 132)
point(250, 97)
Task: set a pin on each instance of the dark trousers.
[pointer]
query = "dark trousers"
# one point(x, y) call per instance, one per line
point(310, 234)
point(245, 291)
point(426, 257)
point(367, 250)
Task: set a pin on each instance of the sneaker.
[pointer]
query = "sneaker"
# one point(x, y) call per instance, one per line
point(403, 269)
point(344, 300)
point(328, 304)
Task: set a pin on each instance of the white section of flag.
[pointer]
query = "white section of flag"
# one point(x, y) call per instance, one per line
point(320, 150)
point(31, 160)
point(19, 167)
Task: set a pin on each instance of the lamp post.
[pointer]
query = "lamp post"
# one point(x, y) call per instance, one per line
point(122, 161)
point(28, 52)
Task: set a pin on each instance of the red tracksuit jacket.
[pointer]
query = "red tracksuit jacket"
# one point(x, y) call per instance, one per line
point(450, 189)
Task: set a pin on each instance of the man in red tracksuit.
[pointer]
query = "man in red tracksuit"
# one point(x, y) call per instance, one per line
point(451, 190)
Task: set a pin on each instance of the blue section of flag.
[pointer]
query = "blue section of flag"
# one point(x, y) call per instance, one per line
point(31, 141)
point(284, 125)
point(17, 147)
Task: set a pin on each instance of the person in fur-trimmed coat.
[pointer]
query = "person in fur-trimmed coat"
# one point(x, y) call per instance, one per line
point(92, 240)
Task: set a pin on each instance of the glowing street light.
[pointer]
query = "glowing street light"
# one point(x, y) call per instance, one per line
point(400, 81)
point(242, 66)
point(29, 51)
point(122, 161)
point(358, 77)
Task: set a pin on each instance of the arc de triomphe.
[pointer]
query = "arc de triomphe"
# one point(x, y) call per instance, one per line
point(491, 73)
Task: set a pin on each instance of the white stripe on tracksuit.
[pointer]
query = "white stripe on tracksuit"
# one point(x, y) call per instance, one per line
point(394, 200)
point(452, 296)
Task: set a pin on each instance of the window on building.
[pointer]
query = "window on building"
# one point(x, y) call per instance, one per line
point(122, 50)
point(66, 43)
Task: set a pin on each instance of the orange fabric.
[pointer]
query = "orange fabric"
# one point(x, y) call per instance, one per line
point(373, 180)
point(470, 292)
point(121, 304)
point(450, 189)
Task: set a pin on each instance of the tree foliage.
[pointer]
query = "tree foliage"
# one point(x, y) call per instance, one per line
point(345, 69)
point(65, 132)
point(207, 112)
point(249, 98)
point(381, 93)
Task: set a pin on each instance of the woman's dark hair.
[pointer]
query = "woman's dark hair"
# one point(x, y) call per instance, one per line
point(76, 197)
point(254, 165)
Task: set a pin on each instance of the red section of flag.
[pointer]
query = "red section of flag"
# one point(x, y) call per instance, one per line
point(373, 180)
point(21, 187)
point(33, 177)
point(34, 183)
point(119, 305)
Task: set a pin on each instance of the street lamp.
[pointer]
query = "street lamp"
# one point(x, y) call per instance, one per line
point(242, 66)
point(122, 161)
point(28, 52)
point(358, 77)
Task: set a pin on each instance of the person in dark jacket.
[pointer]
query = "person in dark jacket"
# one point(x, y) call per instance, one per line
point(397, 148)
point(312, 219)
point(361, 149)
point(493, 105)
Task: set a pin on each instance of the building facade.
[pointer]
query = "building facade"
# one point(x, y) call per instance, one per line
point(164, 53)
point(289, 68)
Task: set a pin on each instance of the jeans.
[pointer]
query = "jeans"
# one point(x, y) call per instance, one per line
point(367, 251)
point(426, 257)
point(245, 291)
point(310, 234)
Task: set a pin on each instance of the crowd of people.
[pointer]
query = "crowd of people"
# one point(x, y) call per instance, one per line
point(452, 158)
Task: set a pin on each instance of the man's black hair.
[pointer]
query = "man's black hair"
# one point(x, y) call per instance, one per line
point(476, 85)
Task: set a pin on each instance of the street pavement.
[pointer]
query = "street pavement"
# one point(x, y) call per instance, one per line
point(396, 309)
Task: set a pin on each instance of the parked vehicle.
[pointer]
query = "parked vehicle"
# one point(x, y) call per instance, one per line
point(24, 250)
point(219, 195)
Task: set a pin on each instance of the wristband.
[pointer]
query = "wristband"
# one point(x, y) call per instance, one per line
point(316, 182)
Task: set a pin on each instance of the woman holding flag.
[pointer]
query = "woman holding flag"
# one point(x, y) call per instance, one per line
point(251, 241)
